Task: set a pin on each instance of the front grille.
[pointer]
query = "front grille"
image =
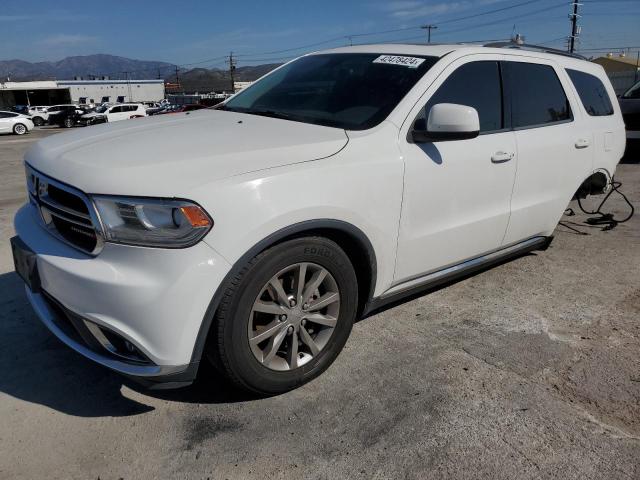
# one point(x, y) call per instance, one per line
point(66, 212)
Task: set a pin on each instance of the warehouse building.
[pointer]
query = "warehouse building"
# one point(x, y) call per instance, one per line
point(32, 93)
point(115, 91)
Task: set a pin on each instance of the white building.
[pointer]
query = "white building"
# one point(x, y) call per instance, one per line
point(115, 91)
point(32, 93)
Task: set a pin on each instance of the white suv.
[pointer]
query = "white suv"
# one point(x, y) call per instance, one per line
point(344, 180)
point(115, 113)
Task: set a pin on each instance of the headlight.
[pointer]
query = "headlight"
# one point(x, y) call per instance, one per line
point(152, 222)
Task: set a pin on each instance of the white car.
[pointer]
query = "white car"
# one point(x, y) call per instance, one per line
point(11, 122)
point(39, 114)
point(254, 235)
point(114, 113)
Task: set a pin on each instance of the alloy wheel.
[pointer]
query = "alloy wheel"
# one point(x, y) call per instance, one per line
point(20, 129)
point(294, 316)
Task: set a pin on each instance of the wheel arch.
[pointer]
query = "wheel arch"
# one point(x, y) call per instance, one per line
point(350, 238)
point(597, 182)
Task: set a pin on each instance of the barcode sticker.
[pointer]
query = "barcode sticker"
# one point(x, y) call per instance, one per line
point(410, 62)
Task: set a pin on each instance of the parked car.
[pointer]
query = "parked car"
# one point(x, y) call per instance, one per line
point(68, 117)
point(630, 106)
point(254, 235)
point(54, 111)
point(115, 113)
point(12, 122)
point(39, 114)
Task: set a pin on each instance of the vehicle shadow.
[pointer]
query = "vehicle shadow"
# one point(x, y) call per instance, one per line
point(36, 367)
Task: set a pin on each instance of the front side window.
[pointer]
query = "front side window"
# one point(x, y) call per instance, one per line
point(354, 91)
point(633, 92)
point(477, 85)
point(592, 92)
point(537, 96)
point(115, 110)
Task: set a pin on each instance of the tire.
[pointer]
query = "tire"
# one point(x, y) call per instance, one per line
point(67, 123)
point(253, 366)
point(38, 121)
point(20, 129)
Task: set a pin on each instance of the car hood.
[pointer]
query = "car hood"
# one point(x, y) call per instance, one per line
point(91, 115)
point(170, 154)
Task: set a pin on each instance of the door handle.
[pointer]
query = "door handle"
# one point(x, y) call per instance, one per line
point(582, 143)
point(501, 157)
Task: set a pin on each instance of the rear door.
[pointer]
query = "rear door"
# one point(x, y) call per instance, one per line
point(6, 122)
point(456, 194)
point(554, 143)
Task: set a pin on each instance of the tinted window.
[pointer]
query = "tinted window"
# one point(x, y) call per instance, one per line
point(537, 95)
point(592, 93)
point(3, 115)
point(477, 85)
point(115, 110)
point(633, 92)
point(345, 90)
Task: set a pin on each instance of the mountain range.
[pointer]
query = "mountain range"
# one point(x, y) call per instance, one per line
point(114, 67)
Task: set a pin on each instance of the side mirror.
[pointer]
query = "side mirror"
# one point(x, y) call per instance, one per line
point(447, 121)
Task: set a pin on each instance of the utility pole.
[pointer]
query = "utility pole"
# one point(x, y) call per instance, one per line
point(575, 30)
point(428, 28)
point(177, 78)
point(232, 69)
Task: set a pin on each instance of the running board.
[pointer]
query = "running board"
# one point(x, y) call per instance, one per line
point(454, 272)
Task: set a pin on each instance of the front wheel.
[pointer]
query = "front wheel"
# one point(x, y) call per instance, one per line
point(38, 121)
point(68, 123)
point(286, 316)
point(19, 129)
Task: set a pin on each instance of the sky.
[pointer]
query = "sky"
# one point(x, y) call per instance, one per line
point(199, 34)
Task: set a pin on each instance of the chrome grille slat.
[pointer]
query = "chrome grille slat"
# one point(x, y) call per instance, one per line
point(61, 215)
point(56, 205)
point(65, 217)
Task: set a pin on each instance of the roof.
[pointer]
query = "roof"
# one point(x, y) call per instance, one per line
point(617, 64)
point(107, 82)
point(439, 50)
point(42, 85)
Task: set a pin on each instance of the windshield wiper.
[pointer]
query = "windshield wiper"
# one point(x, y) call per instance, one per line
point(269, 113)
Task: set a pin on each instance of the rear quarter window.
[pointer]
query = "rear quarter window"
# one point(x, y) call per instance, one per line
point(592, 92)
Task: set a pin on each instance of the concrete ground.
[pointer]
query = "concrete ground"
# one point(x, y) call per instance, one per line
point(528, 370)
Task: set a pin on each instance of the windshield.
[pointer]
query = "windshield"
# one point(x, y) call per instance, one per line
point(101, 109)
point(633, 92)
point(354, 91)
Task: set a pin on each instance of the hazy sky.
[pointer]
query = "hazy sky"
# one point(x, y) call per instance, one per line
point(187, 31)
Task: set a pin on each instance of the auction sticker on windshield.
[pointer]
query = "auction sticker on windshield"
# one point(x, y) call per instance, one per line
point(411, 62)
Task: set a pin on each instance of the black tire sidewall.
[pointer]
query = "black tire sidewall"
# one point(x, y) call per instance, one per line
point(240, 359)
point(17, 125)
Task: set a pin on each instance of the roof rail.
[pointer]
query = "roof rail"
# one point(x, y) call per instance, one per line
point(535, 48)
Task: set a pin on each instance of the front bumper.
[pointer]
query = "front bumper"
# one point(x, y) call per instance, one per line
point(156, 299)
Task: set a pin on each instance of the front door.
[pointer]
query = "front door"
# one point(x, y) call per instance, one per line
point(456, 201)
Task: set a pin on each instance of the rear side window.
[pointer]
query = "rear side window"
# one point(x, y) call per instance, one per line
point(477, 85)
point(592, 93)
point(537, 96)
